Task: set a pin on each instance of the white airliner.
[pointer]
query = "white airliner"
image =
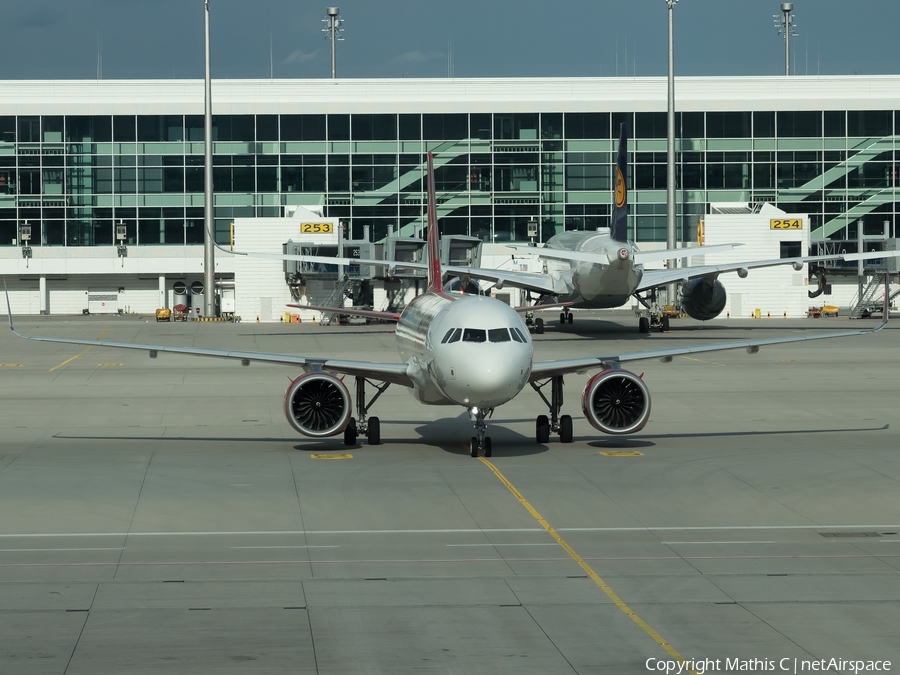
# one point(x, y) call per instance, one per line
point(459, 350)
point(601, 269)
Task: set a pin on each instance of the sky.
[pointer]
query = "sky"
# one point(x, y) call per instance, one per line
point(144, 39)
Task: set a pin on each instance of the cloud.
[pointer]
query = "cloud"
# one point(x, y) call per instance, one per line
point(418, 57)
point(299, 56)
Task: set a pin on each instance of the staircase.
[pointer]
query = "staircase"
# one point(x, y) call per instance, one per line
point(871, 300)
point(342, 288)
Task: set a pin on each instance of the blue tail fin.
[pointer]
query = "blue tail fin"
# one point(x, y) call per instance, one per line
point(619, 230)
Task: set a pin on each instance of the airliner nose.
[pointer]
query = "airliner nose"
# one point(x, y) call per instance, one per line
point(490, 380)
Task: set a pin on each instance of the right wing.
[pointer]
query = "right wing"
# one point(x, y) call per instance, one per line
point(352, 311)
point(656, 278)
point(395, 373)
point(640, 257)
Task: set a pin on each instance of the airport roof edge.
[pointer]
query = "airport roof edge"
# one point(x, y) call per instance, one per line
point(610, 94)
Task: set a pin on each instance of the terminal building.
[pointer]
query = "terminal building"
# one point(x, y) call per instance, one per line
point(101, 182)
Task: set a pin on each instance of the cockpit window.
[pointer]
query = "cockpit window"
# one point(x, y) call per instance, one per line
point(516, 335)
point(473, 335)
point(498, 335)
point(452, 335)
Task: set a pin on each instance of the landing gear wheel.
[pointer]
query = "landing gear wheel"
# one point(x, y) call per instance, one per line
point(562, 318)
point(473, 447)
point(664, 325)
point(570, 318)
point(539, 326)
point(644, 325)
point(542, 429)
point(373, 435)
point(487, 446)
point(350, 432)
point(565, 429)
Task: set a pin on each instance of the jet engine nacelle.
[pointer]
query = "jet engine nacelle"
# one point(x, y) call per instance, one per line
point(317, 405)
point(616, 402)
point(701, 300)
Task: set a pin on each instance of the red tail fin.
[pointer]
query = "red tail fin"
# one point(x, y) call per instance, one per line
point(434, 250)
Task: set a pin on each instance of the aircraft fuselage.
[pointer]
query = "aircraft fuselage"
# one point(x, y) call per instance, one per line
point(594, 285)
point(466, 350)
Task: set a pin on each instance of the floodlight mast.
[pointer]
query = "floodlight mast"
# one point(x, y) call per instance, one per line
point(333, 32)
point(785, 25)
point(671, 232)
point(209, 263)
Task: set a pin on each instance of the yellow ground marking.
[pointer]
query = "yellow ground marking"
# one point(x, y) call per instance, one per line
point(712, 363)
point(108, 365)
point(332, 455)
point(83, 351)
point(786, 361)
point(587, 568)
point(621, 453)
point(10, 365)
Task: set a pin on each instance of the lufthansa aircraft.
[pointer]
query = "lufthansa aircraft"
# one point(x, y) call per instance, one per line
point(459, 350)
point(601, 269)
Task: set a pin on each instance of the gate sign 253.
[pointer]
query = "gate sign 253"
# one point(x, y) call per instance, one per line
point(316, 228)
point(786, 224)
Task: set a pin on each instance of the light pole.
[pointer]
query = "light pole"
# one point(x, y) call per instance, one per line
point(332, 32)
point(785, 25)
point(209, 262)
point(670, 155)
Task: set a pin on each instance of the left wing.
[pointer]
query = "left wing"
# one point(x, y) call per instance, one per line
point(545, 369)
point(395, 373)
point(532, 281)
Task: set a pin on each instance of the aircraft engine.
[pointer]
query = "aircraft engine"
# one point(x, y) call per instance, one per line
point(317, 405)
point(703, 300)
point(616, 402)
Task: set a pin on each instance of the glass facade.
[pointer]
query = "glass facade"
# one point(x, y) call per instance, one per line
point(73, 177)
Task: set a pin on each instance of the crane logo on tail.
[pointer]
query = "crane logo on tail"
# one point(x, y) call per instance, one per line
point(620, 188)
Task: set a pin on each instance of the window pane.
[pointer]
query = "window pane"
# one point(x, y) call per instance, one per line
point(339, 127)
point(764, 124)
point(473, 335)
point(586, 125)
point(498, 335)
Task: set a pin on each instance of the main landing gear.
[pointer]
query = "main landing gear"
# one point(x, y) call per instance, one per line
point(561, 424)
point(370, 427)
point(655, 320)
point(534, 325)
point(480, 442)
point(566, 316)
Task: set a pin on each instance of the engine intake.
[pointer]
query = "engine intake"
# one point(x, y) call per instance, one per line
point(616, 402)
point(703, 300)
point(317, 405)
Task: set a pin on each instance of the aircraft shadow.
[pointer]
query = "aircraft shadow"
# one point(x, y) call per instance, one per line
point(647, 440)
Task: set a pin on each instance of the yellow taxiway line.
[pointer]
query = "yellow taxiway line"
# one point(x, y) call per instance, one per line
point(83, 351)
point(587, 568)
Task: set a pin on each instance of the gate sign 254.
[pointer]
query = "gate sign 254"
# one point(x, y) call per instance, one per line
point(786, 224)
point(316, 228)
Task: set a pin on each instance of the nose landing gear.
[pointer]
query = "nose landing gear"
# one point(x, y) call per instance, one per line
point(480, 442)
